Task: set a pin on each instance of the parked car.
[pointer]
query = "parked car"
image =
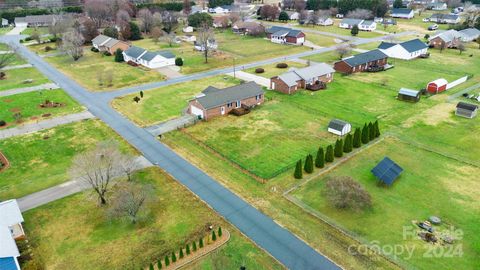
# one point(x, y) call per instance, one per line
point(433, 27)
point(425, 20)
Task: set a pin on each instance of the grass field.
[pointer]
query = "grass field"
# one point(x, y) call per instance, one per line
point(15, 78)
point(27, 104)
point(271, 69)
point(168, 102)
point(4, 30)
point(42, 159)
point(320, 40)
point(86, 71)
point(39, 30)
point(332, 29)
point(74, 232)
point(451, 188)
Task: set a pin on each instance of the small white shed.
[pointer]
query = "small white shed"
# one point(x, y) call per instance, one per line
point(339, 127)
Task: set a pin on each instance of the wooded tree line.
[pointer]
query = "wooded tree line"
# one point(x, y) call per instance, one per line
point(377, 7)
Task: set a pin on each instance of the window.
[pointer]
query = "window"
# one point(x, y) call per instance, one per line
point(257, 97)
point(229, 105)
point(238, 103)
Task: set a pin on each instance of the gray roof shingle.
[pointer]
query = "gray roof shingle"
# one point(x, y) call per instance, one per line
point(134, 51)
point(413, 45)
point(337, 124)
point(401, 11)
point(351, 21)
point(100, 39)
point(365, 57)
point(213, 98)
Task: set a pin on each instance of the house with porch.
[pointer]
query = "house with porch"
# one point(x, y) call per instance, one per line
point(470, 34)
point(405, 50)
point(367, 25)
point(214, 102)
point(314, 77)
point(283, 35)
point(374, 60)
point(445, 39)
point(11, 229)
point(148, 59)
point(348, 23)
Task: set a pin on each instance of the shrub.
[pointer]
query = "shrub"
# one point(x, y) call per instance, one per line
point(200, 243)
point(377, 129)
point(338, 152)
point(167, 261)
point(141, 93)
point(220, 232)
point(3, 123)
point(111, 32)
point(187, 249)
point(365, 134)
point(329, 154)
point(259, 70)
point(298, 174)
point(309, 164)
point(54, 39)
point(343, 193)
point(93, 49)
point(159, 264)
point(136, 99)
point(194, 246)
point(320, 159)
point(2, 75)
point(371, 132)
point(48, 48)
point(119, 56)
point(150, 267)
point(348, 144)
point(283, 16)
point(174, 257)
point(214, 236)
point(180, 254)
point(282, 65)
point(357, 138)
point(107, 53)
point(178, 61)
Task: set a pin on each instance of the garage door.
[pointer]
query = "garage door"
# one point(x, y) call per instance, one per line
point(196, 111)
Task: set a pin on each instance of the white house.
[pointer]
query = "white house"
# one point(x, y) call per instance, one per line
point(445, 18)
point(406, 50)
point(4, 22)
point(438, 6)
point(470, 34)
point(404, 13)
point(220, 9)
point(339, 127)
point(212, 45)
point(325, 21)
point(367, 25)
point(11, 229)
point(149, 59)
point(187, 29)
point(293, 15)
point(348, 23)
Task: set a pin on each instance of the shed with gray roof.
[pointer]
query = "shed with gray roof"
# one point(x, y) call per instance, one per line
point(339, 127)
point(408, 95)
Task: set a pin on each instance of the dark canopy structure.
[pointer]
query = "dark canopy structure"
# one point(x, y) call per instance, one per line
point(387, 171)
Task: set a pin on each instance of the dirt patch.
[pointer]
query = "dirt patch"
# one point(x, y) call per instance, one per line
point(46, 115)
point(463, 184)
point(15, 110)
point(4, 164)
point(433, 116)
point(51, 104)
point(7, 100)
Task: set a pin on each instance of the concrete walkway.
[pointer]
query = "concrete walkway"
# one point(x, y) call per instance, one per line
point(169, 72)
point(251, 77)
point(15, 91)
point(44, 124)
point(310, 44)
point(170, 125)
point(289, 250)
point(17, 67)
point(17, 30)
point(63, 190)
point(5, 52)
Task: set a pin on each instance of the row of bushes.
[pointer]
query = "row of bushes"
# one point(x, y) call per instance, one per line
point(173, 258)
point(11, 14)
point(171, 6)
point(361, 136)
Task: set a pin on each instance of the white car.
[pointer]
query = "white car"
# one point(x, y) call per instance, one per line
point(433, 27)
point(425, 20)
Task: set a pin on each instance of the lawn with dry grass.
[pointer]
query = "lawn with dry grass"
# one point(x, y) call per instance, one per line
point(272, 70)
point(75, 233)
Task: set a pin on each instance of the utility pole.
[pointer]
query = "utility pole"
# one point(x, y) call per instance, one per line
point(234, 67)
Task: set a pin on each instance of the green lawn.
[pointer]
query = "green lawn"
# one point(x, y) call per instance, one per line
point(28, 105)
point(15, 78)
point(74, 232)
point(4, 30)
point(42, 159)
point(431, 184)
point(334, 29)
point(321, 40)
point(168, 102)
point(39, 30)
point(272, 70)
point(86, 71)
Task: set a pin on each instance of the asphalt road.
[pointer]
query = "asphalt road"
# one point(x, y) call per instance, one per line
point(279, 242)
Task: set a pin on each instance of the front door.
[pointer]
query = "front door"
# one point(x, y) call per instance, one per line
point(222, 110)
point(238, 103)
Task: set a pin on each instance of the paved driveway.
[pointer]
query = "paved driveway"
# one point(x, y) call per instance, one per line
point(279, 242)
point(251, 77)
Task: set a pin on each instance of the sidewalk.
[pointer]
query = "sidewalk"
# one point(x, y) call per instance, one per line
point(170, 125)
point(28, 89)
point(17, 67)
point(63, 190)
point(45, 124)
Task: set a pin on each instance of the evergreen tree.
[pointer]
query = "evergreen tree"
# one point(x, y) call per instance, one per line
point(329, 154)
point(214, 236)
point(377, 129)
point(174, 257)
point(348, 144)
point(194, 246)
point(159, 264)
point(283, 16)
point(309, 164)
point(141, 93)
point(179, 61)
point(371, 132)
point(354, 30)
point(135, 33)
point(180, 254)
point(357, 138)
point(298, 174)
point(150, 267)
point(320, 159)
point(365, 134)
point(200, 243)
point(119, 55)
point(167, 261)
point(187, 249)
point(338, 148)
point(220, 232)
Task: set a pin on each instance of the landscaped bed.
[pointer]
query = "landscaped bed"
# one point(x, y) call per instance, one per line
point(74, 232)
point(431, 184)
point(35, 106)
point(42, 159)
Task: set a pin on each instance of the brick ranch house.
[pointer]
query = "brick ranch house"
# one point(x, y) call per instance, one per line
point(215, 102)
point(361, 62)
point(303, 78)
point(283, 35)
point(105, 43)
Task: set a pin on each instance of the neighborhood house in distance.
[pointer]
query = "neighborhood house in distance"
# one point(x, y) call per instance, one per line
point(11, 230)
point(284, 35)
point(313, 77)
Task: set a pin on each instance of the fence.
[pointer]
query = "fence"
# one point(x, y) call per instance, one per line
point(457, 82)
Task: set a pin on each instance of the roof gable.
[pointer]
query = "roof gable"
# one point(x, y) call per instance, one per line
point(385, 45)
point(351, 21)
point(413, 45)
point(401, 11)
point(100, 39)
point(10, 213)
point(365, 57)
point(134, 52)
point(337, 124)
point(467, 106)
point(212, 99)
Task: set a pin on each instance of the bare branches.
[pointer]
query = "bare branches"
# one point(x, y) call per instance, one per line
point(129, 200)
point(72, 44)
point(206, 39)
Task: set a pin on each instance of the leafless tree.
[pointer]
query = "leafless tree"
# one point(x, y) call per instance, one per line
point(313, 18)
point(156, 33)
point(303, 16)
point(345, 193)
point(205, 38)
point(269, 12)
point(36, 36)
point(391, 39)
point(454, 3)
point(234, 17)
point(300, 5)
point(169, 38)
point(72, 44)
point(6, 59)
point(187, 7)
point(324, 13)
point(256, 30)
point(333, 11)
point(122, 18)
point(288, 4)
point(60, 26)
point(343, 49)
point(129, 199)
point(471, 12)
point(89, 30)
point(98, 11)
point(146, 19)
point(157, 19)
point(461, 47)
point(360, 14)
point(169, 21)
